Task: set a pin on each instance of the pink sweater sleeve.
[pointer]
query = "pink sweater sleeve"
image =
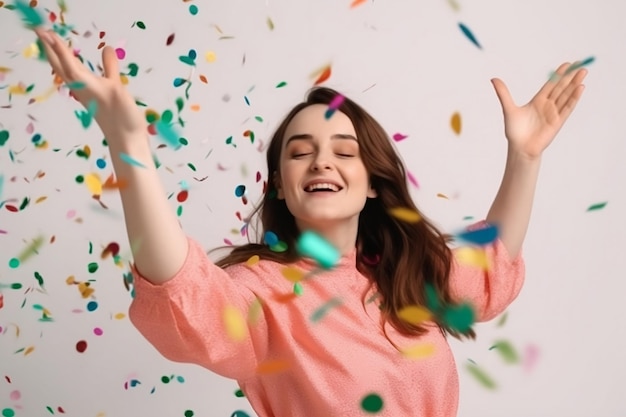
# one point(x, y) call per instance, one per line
point(183, 318)
point(489, 290)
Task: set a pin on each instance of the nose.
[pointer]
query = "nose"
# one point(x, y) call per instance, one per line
point(320, 163)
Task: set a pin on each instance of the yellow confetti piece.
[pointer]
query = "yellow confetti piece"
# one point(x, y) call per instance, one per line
point(31, 51)
point(29, 350)
point(210, 56)
point(405, 214)
point(440, 195)
point(5, 70)
point(414, 314)
point(292, 274)
point(270, 24)
point(119, 316)
point(93, 182)
point(455, 123)
point(420, 351)
point(472, 256)
point(235, 324)
point(253, 260)
point(17, 89)
point(31, 249)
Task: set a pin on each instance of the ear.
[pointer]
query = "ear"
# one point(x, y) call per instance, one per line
point(277, 185)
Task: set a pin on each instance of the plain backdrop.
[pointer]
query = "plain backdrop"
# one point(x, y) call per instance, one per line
point(407, 62)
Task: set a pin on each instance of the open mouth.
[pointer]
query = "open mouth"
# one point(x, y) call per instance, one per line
point(322, 187)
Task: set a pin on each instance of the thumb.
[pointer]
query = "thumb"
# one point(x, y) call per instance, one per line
point(110, 63)
point(504, 96)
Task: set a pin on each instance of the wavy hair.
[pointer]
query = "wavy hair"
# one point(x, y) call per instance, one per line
point(408, 256)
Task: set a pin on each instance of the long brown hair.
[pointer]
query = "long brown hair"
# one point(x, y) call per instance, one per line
point(409, 256)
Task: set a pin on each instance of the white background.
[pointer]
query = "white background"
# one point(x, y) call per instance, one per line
point(409, 64)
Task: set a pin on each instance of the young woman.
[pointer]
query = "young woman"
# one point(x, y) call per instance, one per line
point(341, 346)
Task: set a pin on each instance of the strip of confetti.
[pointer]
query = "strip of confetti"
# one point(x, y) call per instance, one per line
point(480, 376)
point(405, 214)
point(598, 206)
point(506, 351)
point(468, 33)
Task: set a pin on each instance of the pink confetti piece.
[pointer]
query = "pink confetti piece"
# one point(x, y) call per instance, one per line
point(399, 136)
point(412, 179)
point(531, 355)
point(120, 52)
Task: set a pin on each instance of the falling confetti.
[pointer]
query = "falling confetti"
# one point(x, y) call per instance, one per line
point(420, 351)
point(481, 236)
point(506, 351)
point(468, 33)
point(455, 123)
point(405, 214)
point(415, 315)
point(480, 376)
point(580, 64)
point(312, 245)
point(322, 311)
point(30, 16)
point(235, 323)
point(597, 206)
point(372, 403)
point(322, 75)
point(472, 256)
point(399, 136)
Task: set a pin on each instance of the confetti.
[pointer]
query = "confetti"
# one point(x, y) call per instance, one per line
point(321, 312)
point(468, 33)
point(480, 376)
point(405, 214)
point(399, 136)
point(412, 179)
point(372, 403)
point(315, 246)
point(235, 323)
point(270, 24)
point(292, 274)
point(597, 206)
point(472, 256)
point(324, 75)
point(460, 317)
point(281, 84)
point(506, 351)
point(531, 355)
point(272, 366)
point(481, 236)
point(356, 3)
point(130, 160)
point(580, 64)
point(455, 123)
point(335, 103)
point(4, 136)
point(415, 315)
point(239, 413)
point(30, 16)
point(420, 351)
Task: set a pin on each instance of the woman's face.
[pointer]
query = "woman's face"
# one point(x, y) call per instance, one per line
point(321, 176)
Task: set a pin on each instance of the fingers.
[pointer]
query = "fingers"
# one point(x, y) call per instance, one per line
point(71, 67)
point(549, 86)
point(53, 59)
point(564, 77)
point(110, 63)
point(570, 103)
point(571, 90)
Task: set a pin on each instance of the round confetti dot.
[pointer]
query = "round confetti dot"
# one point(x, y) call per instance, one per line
point(92, 306)
point(188, 413)
point(92, 267)
point(239, 393)
point(14, 263)
point(210, 57)
point(15, 395)
point(165, 379)
point(81, 346)
point(270, 238)
point(8, 412)
point(240, 190)
point(98, 331)
point(193, 9)
point(182, 196)
point(70, 214)
point(121, 53)
point(372, 403)
point(80, 179)
point(101, 163)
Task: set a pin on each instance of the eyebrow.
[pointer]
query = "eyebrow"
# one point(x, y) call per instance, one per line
point(307, 136)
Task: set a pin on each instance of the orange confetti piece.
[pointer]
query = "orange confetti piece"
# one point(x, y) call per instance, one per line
point(203, 79)
point(292, 274)
point(235, 324)
point(194, 107)
point(455, 123)
point(324, 74)
point(111, 184)
point(405, 214)
point(41, 199)
point(272, 366)
point(29, 350)
point(285, 298)
point(356, 3)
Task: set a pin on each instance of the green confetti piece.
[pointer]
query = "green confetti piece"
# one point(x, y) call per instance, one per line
point(24, 204)
point(480, 376)
point(30, 16)
point(191, 166)
point(502, 320)
point(597, 206)
point(297, 289)
point(4, 136)
point(372, 403)
point(179, 211)
point(167, 133)
point(279, 247)
point(133, 71)
point(239, 394)
point(188, 413)
point(141, 25)
point(432, 299)
point(130, 160)
point(8, 412)
point(506, 350)
point(580, 64)
point(281, 84)
point(39, 278)
point(180, 103)
point(92, 267)
point(165, 379)
point(14, 263)
point(187, 60)
point(76, 85)
point(258, 119)
point(459, 317)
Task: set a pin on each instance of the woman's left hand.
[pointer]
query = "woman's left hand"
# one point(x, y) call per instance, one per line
point(532, 127)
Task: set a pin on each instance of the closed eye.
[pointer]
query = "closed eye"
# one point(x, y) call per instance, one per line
point(300, 155)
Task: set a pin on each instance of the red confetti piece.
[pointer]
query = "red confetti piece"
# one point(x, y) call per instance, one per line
point(325, 75)
point(81, 346)
point(399, 136)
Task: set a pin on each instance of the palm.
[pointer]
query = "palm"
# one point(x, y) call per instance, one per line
point(531, 128)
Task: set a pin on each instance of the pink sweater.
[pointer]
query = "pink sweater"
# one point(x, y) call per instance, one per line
point(290, 365)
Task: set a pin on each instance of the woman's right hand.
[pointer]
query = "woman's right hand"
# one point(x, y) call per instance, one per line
point(116, 113)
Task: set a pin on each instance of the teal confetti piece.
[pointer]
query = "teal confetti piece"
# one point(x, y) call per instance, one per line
point(481, 236)
point(1, 184)
point(76, 85)
point(597, 206)
point(506, 351)
point(168, 134)
point(468, 33)
point(460, 317)
point(130, 160)
point(30, 16)
point(312, 245)
point(580, 64)
point(322, 311)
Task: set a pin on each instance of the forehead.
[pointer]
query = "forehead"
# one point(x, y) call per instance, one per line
point(312, 120)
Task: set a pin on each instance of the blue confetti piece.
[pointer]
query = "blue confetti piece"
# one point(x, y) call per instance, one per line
point(270, 238)
point(468, 33)
point(482, 236)
point(130, 160)
point(580, 64)
point(239, 413)
point(168, 134)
